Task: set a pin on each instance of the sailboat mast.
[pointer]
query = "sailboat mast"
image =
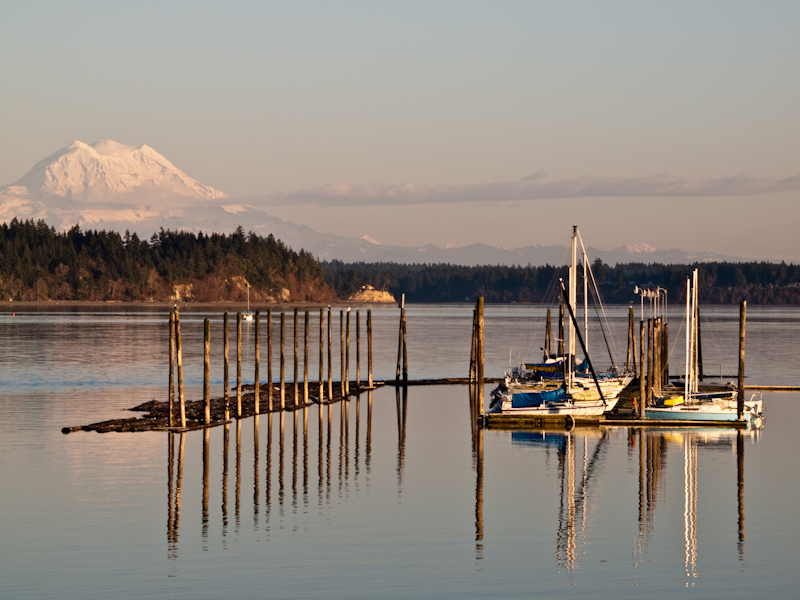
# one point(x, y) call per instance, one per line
point(573, 293)
point(694, 335)
point(585, 302)
point(688, 338)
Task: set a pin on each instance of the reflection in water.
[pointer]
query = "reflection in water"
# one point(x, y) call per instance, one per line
point(319, 455)
point(255, 471)
point(652, 465)
point(238, 494)
point(690, 507)
point(368, 457)
point(206, 469)
point(477, 453)
point(280, 467)
point(402, 411)
point(225, 450)
point(174, 501)
point(358, 415)
point(305, 456)
point(174, 481)
point(294, 462)
point(268, 483)
point(740, 488)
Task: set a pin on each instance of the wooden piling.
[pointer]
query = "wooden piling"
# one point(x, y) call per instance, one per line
point(341, 353)
point(369, 348)
point(561, 329)
point(179, 350)
point(207, 371)
point(657, 355)
point(640, 405)
point(283, 361)
point(347, 356)
point(225, 381)
point(257, 369)
point(296, 363)
point(665, 353)
point(649, 360)
point(269, 358)
point(405, 350)
point(305, 361)
point(629, 356)
point(740, 387)
point(330, 356)
point(358, 351)
point(400, 339)
point(548, 335)
point(473, 347)
point(171, 390)
point(321, 356)
point(479, 357)
point(239, 365)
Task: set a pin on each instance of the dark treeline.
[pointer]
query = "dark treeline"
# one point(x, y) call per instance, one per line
point(721, 282)
point(38, 263)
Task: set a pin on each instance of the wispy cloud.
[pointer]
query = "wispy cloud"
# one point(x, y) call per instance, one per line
point(536, 187)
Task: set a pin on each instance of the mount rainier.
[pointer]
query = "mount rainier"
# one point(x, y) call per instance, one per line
point(113, 186)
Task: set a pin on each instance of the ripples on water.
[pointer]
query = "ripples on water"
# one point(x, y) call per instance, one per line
point(395, 495)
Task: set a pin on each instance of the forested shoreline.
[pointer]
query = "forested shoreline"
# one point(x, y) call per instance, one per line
point(720, 282)
point(37, 263)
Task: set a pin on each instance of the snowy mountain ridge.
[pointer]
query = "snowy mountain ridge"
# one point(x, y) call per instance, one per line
point(98, 171)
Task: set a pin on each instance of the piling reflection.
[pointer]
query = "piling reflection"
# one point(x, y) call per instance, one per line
point(402, 412)
point(268, 476)
point(225, 451)
point(206, 471)
point(294, 462)
point(174, 496)
point(264, 516)
point(238, 491)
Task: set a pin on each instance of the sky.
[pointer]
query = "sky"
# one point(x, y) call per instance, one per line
point(673, 124)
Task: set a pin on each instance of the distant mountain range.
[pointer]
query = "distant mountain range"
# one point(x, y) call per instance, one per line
point(113, 186)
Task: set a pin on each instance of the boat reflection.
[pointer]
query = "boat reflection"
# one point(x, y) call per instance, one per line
point(581, 453)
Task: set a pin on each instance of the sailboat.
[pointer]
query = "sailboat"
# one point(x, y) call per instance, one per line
point(248, 316)
point(694, 405)
point(543, 384)
point(576, 396)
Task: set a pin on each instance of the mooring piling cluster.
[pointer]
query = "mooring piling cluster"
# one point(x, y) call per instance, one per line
point(300, 397)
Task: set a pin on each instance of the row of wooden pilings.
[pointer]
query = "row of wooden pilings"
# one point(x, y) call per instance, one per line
point(176, 360)
point(652, 366)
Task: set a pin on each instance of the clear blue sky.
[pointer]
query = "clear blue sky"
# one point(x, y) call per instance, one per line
point(462, 99)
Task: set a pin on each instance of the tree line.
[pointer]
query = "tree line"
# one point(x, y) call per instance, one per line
point(720, 282)
point(39, 263)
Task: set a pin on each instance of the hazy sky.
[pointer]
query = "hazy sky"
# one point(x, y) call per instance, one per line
point(675, 124)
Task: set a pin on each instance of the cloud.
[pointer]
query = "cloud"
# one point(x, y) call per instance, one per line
point(535, 187)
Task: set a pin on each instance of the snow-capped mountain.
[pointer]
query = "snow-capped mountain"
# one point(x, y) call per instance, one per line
point(113, 186)
point(95, 185)
point(108, 170)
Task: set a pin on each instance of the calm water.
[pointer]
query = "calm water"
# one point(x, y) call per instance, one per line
point(392, 497)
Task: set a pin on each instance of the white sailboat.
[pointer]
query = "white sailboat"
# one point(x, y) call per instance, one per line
point(694, 405)
point(248, 316)
point(577, 396)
